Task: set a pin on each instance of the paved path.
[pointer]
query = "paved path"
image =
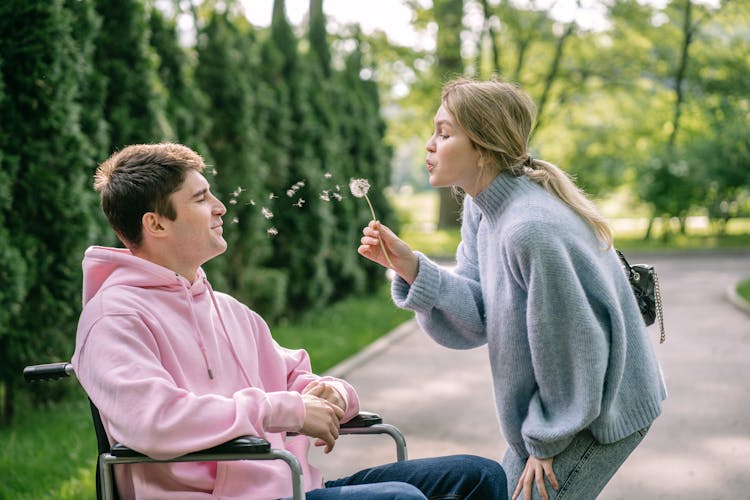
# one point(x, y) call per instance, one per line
point(699, 449)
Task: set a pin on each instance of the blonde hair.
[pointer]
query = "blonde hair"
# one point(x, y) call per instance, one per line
point(497, 117)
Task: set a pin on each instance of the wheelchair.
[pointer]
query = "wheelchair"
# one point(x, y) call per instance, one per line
point(240, 448)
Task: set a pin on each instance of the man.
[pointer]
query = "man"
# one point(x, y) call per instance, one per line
point(175, 367)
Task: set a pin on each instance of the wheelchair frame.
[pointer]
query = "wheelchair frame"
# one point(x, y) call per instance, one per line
point(241, 448)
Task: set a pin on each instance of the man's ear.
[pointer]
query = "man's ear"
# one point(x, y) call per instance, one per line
point(152, 225)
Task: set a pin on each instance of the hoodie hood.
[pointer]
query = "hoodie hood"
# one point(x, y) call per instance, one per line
point(104, 267)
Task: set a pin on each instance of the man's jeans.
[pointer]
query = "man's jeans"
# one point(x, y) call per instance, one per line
point(454, 477)
point(582, 470)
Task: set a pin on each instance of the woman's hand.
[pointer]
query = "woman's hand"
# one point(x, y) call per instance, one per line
point(405, 262)
point(533, 473)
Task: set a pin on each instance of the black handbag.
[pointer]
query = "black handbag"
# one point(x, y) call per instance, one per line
point(645, 284)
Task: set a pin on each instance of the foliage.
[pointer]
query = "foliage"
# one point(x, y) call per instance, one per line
point(743, 289)
point(651, 100)
point(46, 219)
point(82, 79)
point(134, 103)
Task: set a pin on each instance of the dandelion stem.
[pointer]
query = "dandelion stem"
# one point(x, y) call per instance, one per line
point(382, 246)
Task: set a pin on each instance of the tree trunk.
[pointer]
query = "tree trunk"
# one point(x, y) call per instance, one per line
point(449, 17)
point(681, 71)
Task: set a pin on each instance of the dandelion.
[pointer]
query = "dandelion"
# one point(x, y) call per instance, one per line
point(266, 213)
point(359, 188)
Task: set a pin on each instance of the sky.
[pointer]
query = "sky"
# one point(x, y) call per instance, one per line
point(389, 15)
point(394, 18)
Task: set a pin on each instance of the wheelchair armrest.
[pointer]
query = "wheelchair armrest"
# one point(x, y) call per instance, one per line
point(243, 444)
point(50, 371)
point(364, 419)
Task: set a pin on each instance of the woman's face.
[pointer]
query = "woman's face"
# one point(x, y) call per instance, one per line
point(452, 160)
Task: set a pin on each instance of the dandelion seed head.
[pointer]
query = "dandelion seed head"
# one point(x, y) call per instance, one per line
point(359, 187)
point(266, 213)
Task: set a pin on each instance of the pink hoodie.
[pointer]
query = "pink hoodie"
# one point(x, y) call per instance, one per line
point(174, 367)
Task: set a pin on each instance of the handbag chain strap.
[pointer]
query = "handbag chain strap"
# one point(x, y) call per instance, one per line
point(659, 311)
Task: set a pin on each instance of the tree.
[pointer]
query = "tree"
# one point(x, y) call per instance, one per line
point(186, 105)
point(135, 102)
point(227, 72)
point(47, 208)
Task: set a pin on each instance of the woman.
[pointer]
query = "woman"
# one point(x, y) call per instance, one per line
point(576, 382)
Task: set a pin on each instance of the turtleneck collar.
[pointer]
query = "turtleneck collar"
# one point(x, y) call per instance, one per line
point(506, 187)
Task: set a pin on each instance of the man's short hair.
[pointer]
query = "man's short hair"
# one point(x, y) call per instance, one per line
point(139, 179)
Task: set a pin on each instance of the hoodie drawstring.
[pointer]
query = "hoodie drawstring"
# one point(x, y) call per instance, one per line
point(226, 334)
point(199, 339)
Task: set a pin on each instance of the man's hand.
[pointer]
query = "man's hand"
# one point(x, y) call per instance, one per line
point(321, 421)
point(325, 391)
point(533, 473)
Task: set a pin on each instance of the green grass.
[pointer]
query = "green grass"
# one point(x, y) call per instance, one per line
point(743, 289)
point(342, 329)
point(50, 453)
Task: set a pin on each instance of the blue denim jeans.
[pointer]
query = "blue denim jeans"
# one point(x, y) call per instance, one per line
point(582, 470)
point(442, 478)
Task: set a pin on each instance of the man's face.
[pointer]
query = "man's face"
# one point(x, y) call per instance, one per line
point(196, 234)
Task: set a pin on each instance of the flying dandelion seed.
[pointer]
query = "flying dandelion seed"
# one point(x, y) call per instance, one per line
point(290, 192)
point(328, 175)
point(324, 196)
point(359, 188)
point(238, 191)
point(271, 196)
point(232, 201)
point(235, 220)
point(251, 202)
point(266, 213)
point(214, 171)
point(272, 231)
point(299, 203)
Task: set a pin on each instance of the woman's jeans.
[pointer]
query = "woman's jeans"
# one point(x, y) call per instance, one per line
point(582, 470)
point(454, 477)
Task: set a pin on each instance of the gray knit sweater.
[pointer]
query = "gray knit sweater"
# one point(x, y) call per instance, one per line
point(568, 347)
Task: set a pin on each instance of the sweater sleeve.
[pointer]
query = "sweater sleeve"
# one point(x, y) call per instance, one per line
point(567, 334)
point(448, 304)
point(119, 365)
